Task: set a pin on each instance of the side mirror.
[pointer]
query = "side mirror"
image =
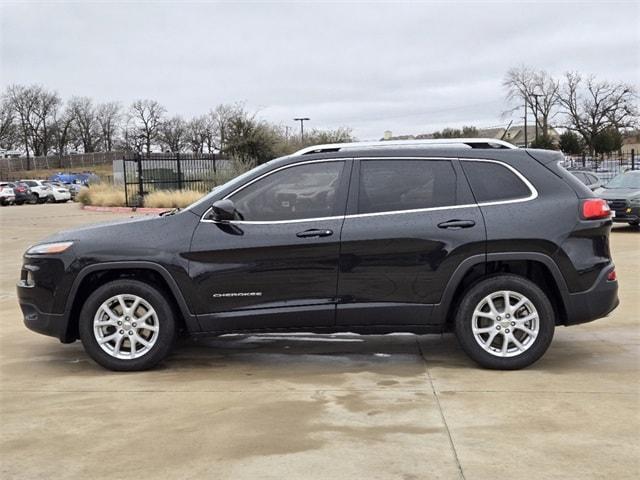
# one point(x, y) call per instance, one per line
point(223, 210)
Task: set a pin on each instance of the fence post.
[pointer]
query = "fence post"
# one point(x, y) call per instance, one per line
point(633, 159)
point(214, 164)
point(179, 171)
point(584, 160)
point(124, 177)
point(140, 186)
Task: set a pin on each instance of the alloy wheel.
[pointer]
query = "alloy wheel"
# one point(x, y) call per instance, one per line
point(505, 323)
point(126, 326)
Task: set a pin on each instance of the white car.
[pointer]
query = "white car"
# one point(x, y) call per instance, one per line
point(7, 195)
point(47, 191)
point(59, 191)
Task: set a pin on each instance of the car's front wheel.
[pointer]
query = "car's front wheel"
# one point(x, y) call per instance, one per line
point(505, 322)
point(127, 325)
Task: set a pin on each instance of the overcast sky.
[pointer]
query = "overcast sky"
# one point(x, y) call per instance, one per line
point(405, 67)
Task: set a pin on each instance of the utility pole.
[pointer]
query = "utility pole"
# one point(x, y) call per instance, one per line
point(301, 120)
point(526, 142)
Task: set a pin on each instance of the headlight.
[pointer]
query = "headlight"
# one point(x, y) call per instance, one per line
point(635, 202)
point(47, 248)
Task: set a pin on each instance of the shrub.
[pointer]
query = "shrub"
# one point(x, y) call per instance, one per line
point(102, 195)
point(171, 198)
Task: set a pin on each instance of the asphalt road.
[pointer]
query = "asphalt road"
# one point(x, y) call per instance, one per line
point(317, 407)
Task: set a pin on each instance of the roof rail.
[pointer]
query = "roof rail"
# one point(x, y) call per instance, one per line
point(449, 142)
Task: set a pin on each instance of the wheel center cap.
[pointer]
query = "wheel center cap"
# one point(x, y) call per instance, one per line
point(126, 325)
point(505, 324)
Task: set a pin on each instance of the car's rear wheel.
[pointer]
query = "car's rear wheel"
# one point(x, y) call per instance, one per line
point(505, 322)
point(127, 325)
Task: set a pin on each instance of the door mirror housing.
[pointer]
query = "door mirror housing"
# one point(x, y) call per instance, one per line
point(223, 210)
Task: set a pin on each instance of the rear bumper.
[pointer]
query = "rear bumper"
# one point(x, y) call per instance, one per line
point(629, 214)
point(594, 303)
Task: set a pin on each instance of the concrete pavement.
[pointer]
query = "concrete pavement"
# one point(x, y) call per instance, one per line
point(309, 406)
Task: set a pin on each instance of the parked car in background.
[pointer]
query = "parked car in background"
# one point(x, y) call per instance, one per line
point(21, 191)
point(588, 177)
point(623, 195)
point(7, 196)
point(41, 190)
point(59, 192)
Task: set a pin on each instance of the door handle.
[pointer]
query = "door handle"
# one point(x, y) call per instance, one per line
point(314, 232)
point(456, 224)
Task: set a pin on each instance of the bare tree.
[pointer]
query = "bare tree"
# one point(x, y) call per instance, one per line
point(199, 133)
point(219, 121)
point(46, 105)
point(147, 117)
point(593, 106)
point(538, 90)
point(108, 117)
point(8, 130)
point(85, 122)
point(174, 134)
point(22, 101)
point(63, 122)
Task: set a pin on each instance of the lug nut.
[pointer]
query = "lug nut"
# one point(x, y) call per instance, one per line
point(134, 324)
point(130, 332)
point(119, 322)
point(121, 332)
point(508, 316)
point(506, 331)
point(498, 327)
point(512, 324)
point(126, 318)
point(498, 318)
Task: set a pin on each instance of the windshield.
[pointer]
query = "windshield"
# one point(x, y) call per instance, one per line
point(237, 181)
point(625, 180)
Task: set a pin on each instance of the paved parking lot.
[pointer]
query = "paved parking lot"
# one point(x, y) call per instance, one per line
point(305, 406)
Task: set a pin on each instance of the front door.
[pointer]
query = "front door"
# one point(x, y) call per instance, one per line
point(277, 266)
point(411, 222)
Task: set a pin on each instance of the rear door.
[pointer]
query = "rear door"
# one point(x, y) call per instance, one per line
point(410, 223)
point(277, 266)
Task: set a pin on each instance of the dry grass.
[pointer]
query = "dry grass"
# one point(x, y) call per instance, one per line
point(102, 195)
point(171, 198)
point(105, 195)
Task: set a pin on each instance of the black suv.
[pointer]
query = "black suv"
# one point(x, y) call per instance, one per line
point(495, 243)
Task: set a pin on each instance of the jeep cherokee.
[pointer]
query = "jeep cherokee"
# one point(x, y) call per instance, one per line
point(475, 236)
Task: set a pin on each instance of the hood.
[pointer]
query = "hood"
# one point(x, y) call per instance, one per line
point(617, 193)
point(102, 230)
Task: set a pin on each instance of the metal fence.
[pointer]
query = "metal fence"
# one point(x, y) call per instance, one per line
point(606, 168)
point(140, 174)
point(80, 161)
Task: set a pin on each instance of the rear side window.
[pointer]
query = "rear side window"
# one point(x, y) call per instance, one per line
point(492, 182)
point(393, 185)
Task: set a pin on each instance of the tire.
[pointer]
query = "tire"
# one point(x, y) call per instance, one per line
point(533, 335)
point(21, 202)
point(116, 352)
point(41, 199)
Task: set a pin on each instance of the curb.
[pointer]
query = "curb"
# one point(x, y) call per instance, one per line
point(92, 208)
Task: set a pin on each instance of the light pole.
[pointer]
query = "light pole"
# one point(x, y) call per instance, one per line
point(301, 120)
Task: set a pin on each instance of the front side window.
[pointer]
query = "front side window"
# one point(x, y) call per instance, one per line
point(493, 182)
point(396, 185)
point(295, 193)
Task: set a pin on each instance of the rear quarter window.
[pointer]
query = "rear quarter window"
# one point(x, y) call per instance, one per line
point(493, 182)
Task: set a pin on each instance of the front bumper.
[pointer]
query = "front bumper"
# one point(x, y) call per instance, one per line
point(45, 323)
point(627, 214)
point(594, 303)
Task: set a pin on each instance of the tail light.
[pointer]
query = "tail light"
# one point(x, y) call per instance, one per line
point(595, 208)
point(611, 276)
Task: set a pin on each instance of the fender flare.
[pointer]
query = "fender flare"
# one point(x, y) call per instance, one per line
point(441, 309)
point(189, 318)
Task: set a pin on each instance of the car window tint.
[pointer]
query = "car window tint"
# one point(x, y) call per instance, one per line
point(392, 185)
point(582, 177)
point(31, 183)
point(299, 192)
point(492, 182)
